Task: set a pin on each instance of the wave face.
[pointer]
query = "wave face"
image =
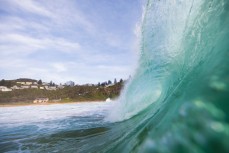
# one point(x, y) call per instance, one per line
point(178, 100)
point(179, 95)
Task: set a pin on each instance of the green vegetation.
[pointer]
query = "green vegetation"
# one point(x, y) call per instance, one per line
point(7, 83)
point(10, 83)
point(67, 94)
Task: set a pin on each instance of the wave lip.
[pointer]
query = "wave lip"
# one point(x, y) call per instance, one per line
point(162, 59)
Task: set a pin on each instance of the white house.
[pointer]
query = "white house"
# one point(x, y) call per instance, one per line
point(42, 87)
point(41, 100)
point(20, 82)
point(4, 89)
point(25, 81)
point(15, 87)
point(34, 87)
point(28, 83)
point(25, 87)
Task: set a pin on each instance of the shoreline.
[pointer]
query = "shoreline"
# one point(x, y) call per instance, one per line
point(44, 104)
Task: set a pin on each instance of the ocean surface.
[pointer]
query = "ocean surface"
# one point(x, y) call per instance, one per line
point(177, 101)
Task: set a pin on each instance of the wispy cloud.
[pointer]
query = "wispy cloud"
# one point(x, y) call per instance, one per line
point(31, 7)
point(25, 45)
point(62, 40)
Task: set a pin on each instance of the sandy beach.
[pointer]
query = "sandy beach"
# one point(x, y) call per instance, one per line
point(42, 104)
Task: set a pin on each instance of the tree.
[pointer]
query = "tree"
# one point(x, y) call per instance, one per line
point(121, 81)
point(109, 82)
point(50, 83)
point(2, 82)
point(70, 83)
point(40, 82)
point(99, 84)
point(104, 84)
point(115, 81)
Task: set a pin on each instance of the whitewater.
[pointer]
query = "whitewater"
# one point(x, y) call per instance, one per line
point(177, 101)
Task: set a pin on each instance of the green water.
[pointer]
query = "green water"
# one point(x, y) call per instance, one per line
point(181, 87)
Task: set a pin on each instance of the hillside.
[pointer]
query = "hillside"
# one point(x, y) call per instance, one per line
point(68, 94)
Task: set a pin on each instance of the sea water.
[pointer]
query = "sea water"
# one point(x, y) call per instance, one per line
point(177, 101)
point(50, 128)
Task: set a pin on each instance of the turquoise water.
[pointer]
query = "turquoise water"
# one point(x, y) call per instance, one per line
point(177, 101)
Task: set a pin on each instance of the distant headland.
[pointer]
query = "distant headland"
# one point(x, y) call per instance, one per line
point(24, 91)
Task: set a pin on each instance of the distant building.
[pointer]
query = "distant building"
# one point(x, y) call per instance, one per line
point(19, 82)
point(34, 86)
point(42, 87)
point(15, 87)
point(28, 83)
point(25, 81)
point(4, 89)
point(25, 87)
point(41, 100)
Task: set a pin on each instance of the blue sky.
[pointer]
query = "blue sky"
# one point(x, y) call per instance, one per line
point(86, 41)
